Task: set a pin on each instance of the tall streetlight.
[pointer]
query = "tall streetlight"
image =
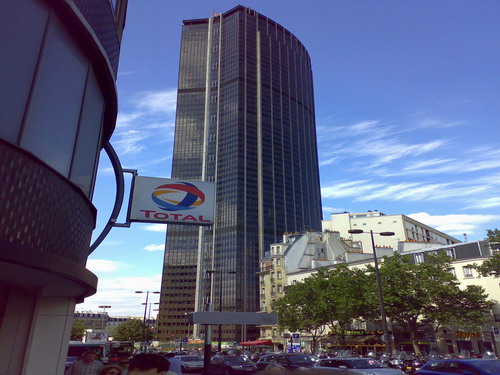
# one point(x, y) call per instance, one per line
point(387, 337)
point(104, 320)
point(145, 311)
point(219, 345)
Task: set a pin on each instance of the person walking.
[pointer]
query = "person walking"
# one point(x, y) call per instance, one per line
point(88, 365)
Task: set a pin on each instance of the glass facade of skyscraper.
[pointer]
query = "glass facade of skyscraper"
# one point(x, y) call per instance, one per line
point(245, 119)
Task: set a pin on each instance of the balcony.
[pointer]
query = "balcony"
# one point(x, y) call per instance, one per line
point(262, 296)
point(273, 294)
point(273, 280)
point(262, 283)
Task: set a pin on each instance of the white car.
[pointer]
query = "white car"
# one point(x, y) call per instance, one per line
point(364, 366)
point(190, 363)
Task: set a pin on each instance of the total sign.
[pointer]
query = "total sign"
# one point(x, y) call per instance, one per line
point(164, 200)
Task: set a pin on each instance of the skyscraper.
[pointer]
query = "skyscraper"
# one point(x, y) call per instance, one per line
point(245, 119)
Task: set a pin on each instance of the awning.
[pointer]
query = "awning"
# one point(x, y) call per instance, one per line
point(257, 343)
point(363, 340)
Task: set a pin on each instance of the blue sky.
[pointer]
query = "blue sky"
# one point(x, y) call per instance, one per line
point(407, 100)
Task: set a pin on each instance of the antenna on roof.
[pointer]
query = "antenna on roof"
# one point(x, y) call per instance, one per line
point(465, 237)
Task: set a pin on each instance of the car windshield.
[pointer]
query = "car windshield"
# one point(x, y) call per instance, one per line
point(235, 359)
point(300, 359)
point(488, 366)
point(364, 363)
point(191, 358)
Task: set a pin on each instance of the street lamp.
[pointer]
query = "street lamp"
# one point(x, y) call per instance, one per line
point(145, 310)
point(104, 320)
point(219, 345)
point(379, 285)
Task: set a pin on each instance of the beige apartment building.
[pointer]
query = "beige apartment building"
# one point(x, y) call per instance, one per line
point(300, 255)
point(406, 229)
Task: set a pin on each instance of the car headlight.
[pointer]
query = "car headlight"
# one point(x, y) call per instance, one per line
point(236, 367)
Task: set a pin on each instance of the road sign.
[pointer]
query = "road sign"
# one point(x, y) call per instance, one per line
point(296, 335)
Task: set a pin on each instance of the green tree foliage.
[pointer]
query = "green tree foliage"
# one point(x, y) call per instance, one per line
point(418, 294)
point(78, 330)
point(467, 308)
point(296, 311)
point(342, 297)
point(490, 267)
point(131, 330)
point(493, 235)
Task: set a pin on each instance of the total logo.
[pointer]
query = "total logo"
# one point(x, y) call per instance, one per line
point(180, 196)
point(177, 197)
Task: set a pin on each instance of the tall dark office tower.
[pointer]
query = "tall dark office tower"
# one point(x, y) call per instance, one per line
point(245, 119)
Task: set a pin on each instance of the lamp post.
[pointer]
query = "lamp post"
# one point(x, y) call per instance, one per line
point(104, 320)
point(219, 345)
point(145, 311)
point(379, 285)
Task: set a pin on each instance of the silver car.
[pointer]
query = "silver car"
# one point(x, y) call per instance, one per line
point(190, 363)
point(364, 366)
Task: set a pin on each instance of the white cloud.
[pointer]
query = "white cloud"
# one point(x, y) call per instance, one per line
point(328, 161)
point(366, 190)
point(158, 101)
point(154, 247)
point(102, 265)
point(437, 122)
point(485, 203)
point(455, 223)
point(119, 293)
point(155, 227)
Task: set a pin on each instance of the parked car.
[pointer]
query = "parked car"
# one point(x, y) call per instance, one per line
point(190, 363)
point(461, 366)
point(231, 365)
point(367, 366)
point(288, 361)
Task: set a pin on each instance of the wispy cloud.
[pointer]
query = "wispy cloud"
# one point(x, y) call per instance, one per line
point(147, 115)
point(102, 265)
point(367, 190)
point(455, 224)
point(154, 247)
point(158, 101)
point(438, 122)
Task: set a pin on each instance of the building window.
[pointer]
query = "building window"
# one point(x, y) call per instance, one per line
point(278, 262)
point(419, 258)
point(468, 271)
point(452, 271)
point(279, 275)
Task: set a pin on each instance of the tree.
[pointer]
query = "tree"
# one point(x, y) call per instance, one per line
point(78, 330)
point(493, 235)
point(490, 267)
point(131, 330)
point(419, 294)
point(342, 297)
point(473, 312)
point(296, 311)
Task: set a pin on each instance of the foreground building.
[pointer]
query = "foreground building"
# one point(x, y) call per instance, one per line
point(245, 119)
point(59, 107)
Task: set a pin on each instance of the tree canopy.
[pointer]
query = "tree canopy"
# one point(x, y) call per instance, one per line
point(131, 330)
point(490, 267)
point(419, 294)
point(414, 295)
point(78, 330)
point(493, 235)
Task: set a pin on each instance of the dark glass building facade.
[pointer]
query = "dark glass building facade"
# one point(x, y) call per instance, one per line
point(245, 119)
